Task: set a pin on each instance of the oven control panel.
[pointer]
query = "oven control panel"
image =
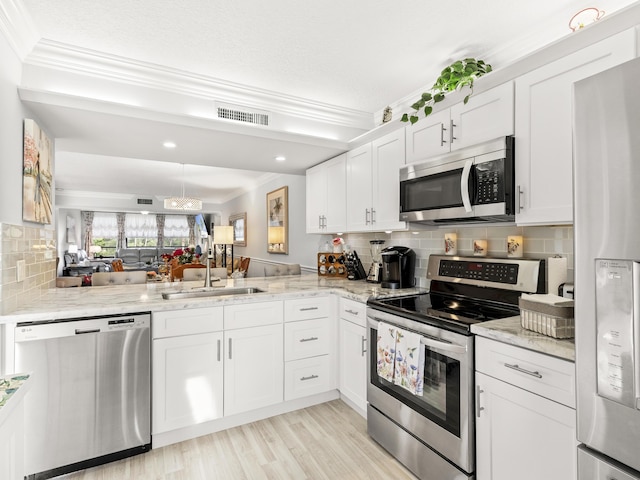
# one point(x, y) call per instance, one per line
point(483, 271)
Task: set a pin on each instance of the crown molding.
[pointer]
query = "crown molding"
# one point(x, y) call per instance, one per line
point(90, 63)
point(18, 27)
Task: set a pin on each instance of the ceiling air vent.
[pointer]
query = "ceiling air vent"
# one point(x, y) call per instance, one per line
point(145, 201)
point(240, 116)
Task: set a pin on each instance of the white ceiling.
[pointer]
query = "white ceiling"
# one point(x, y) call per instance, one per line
point(360, 55)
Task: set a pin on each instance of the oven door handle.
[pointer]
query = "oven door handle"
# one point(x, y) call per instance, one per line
point(445, 346)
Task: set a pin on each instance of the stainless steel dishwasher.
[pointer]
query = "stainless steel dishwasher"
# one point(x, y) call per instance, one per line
point(91, 399)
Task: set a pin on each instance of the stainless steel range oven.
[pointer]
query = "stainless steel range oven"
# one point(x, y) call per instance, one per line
point(428, 423)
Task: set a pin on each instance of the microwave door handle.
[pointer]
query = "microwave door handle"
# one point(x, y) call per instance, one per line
point(464, 186)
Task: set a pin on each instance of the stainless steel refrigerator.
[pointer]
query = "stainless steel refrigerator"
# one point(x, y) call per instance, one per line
point(607, 272)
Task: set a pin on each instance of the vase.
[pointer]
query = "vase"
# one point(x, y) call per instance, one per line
point(337, 249)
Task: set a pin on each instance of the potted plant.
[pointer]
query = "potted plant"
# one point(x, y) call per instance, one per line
point(454, 77)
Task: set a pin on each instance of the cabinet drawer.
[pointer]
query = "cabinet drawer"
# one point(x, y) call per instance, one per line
point(307, 338)
point(186, 322)
point(307, 377)
point(306, 308)
point(544, 375)
point(353, 311)
point(252, 314)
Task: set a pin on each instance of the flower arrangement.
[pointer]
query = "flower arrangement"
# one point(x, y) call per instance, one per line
point(182, 255)
point(337, 241)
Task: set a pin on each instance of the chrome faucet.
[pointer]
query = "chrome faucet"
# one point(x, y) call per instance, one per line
point(207, 278)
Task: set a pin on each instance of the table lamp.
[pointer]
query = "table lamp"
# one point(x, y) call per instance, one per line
point(223, 235)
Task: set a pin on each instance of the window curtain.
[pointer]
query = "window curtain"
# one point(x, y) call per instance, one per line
point(191, 221)
point(176, 226)
point(87, 221)
point(121, 218)
point(140, 226)
point(105, 225)
point(160, 221)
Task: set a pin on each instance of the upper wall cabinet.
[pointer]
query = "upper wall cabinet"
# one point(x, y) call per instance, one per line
point(373, 184)
point(327, 196)
point(486, 116)
point(544, 99)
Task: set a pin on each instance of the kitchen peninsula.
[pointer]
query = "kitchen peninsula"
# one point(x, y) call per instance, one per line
point(63, 303)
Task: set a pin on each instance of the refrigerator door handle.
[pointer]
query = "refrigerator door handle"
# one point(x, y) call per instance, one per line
point(636, 331)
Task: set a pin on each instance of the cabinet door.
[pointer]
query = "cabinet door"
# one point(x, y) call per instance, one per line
point(522, 435)
point(428, 137)
point(254, 368)
point(544, 150)
point(486, 116)
point(353, 363)
point(316, 182)
point(336, 211)
point(388, 156)
point(359, 185)
point(187, 380)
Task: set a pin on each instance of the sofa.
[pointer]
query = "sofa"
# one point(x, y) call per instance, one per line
point(142, 258)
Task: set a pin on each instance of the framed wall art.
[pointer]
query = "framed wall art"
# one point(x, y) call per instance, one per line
point(278, 221)
point(239, 223)
point(37, 175)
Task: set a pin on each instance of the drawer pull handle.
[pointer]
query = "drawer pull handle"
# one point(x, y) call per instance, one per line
point(306, 309)
point(310, 377)
point(352, 312)
point(523, 370)
point(310, 339)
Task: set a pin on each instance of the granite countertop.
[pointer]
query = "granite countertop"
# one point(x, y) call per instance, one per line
point(60, 303)
point(509, 330)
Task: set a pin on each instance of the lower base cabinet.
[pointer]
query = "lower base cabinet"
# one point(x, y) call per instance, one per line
point(353, 363)
point(253, 372)
point(525, 420)
point(523, 435)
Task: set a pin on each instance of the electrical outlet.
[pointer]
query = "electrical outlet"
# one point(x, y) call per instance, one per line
point(20, 270)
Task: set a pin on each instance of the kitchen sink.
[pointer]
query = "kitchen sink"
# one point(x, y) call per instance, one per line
point(211, 292)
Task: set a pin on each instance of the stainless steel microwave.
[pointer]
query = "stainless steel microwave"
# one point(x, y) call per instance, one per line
point(472, 185)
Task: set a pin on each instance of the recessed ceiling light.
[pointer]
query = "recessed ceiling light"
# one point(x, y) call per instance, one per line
point(169, 145)
point(280, 158)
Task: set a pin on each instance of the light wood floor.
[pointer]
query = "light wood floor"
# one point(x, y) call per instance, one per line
point(327, 441)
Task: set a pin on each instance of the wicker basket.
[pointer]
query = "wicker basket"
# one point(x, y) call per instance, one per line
point(548, 315)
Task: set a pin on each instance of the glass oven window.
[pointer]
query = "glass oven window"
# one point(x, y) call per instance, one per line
point(440, 401)
point(441, 190)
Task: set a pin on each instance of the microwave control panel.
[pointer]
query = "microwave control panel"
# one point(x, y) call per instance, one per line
point(489, 182)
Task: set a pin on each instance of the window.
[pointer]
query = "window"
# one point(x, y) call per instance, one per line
point(141, 230)
point(176, 231)
point(105, 233)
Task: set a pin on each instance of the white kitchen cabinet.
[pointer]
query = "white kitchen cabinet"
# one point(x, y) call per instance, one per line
point(543, 126)
point(327, 196)
point(254, 356)
point(525, 422)
point(373, 184)
point(254, 368)
point(486, 116)
point(353, 354)
point(308, 353)
point(187, 380)
point(187, 374)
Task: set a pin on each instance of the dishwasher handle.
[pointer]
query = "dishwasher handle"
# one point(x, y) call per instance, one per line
point(80, 331)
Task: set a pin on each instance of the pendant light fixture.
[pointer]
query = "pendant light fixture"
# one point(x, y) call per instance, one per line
point(182, 203)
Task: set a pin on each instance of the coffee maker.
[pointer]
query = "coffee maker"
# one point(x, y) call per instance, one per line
point(398, 267)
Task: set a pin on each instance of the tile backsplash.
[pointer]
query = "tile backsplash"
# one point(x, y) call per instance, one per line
point(538, 242)
point(36, 247)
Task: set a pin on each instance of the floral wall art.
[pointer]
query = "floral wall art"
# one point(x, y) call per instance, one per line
point(37, 175)
point(277, 221)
